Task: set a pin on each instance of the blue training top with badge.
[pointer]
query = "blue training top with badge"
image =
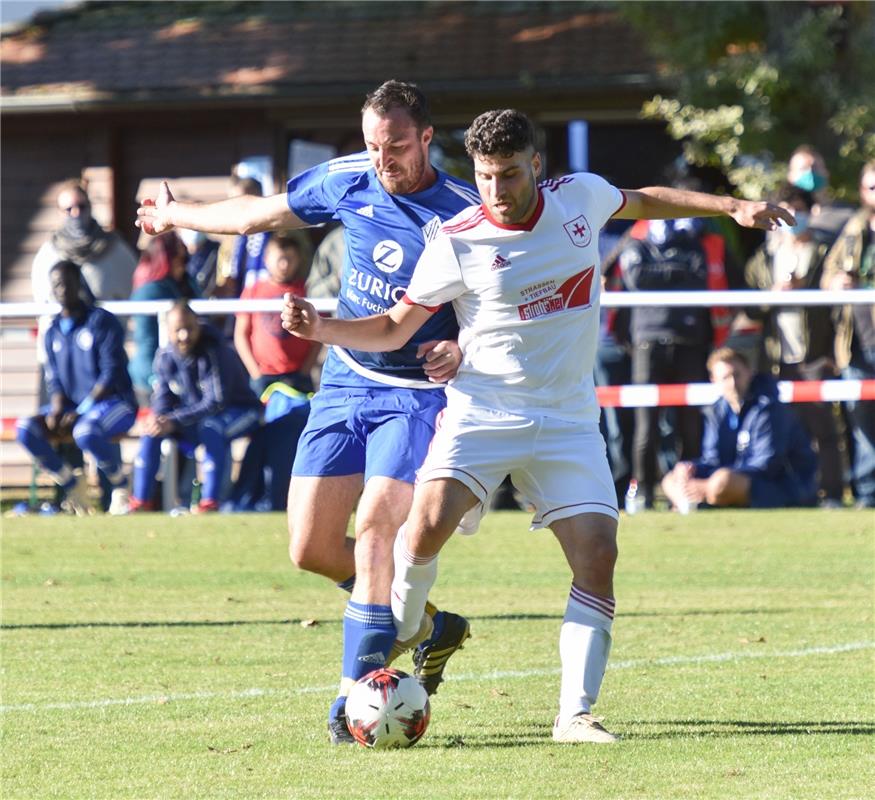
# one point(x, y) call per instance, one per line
point(385, 235)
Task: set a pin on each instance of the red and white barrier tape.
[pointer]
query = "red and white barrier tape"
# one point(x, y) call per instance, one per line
point(704, 394)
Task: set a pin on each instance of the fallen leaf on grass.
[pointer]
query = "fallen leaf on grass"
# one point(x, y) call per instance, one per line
point(228, 750)
point(309, 623)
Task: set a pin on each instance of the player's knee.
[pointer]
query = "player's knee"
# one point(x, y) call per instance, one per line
point(303, 553)
point(717, 487)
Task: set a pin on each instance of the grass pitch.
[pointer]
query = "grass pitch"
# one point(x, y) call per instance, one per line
point(150, 657)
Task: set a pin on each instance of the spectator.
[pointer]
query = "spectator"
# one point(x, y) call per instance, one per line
point(670, 344)
point(754, 452)
point(203, 257)
point(246, 264)
point(325, 271)
point(160, 275)
point(269, 354)
point(799, 341)
point(91, 398)
point(807, 170)
point(202, 396)
point(850, 264)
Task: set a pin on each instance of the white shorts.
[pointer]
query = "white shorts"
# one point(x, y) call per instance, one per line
point(559, 467)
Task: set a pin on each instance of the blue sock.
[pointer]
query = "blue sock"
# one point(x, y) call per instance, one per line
point(368, 634)
point(348, 584)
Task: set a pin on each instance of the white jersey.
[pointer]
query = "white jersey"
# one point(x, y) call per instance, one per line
point(527, 300)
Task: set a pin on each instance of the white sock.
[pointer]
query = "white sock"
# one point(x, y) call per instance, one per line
point(584, 646)
point(414, 578)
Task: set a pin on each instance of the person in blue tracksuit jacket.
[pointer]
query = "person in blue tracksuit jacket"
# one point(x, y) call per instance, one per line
point(202, 396)
point(755, 452)
point(91, 396)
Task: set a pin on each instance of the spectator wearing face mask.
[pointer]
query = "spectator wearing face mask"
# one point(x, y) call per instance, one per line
point(807, 170)
point(797, 342)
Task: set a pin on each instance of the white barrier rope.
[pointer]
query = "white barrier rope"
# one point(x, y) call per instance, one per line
point(735, 298)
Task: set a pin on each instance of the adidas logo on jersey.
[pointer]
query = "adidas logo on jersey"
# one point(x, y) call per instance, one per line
point(373, 658)
point(500, 262)
point(366, 211)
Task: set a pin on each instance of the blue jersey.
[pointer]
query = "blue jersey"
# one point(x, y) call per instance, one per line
point(90, 352)
point(385, 235)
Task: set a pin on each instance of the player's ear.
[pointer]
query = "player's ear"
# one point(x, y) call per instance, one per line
point(427, 135)
point(536, 164)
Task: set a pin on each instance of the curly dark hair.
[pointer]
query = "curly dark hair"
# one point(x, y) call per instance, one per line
point(790, 194)
point(502, 132)
point(399, 94)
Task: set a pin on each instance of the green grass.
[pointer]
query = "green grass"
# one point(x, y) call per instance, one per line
point(151, 657)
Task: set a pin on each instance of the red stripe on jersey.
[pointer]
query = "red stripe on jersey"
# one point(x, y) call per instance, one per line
point(622, 205)
point(410, 302)
point(463, 225)
point(520, 226)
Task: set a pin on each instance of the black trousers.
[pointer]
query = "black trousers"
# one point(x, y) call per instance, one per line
point(678, 432)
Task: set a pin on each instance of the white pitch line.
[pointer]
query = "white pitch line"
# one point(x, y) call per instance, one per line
point(498, 674)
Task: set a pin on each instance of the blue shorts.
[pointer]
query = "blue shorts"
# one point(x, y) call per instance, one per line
point(377, 432)
point(787, 492)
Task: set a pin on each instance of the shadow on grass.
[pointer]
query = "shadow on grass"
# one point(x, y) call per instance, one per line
point(686, 728)
point(230, 623)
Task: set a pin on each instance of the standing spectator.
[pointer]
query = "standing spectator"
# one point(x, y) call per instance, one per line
point(670, 344)
point(807, 170)
point(850, 264)
point(202, 396)
point(327, 267)
point(754, 453)
point(160, 275)
point(247, 254)
point(203, 257)
point(799, 341)
point(91, 398)
point(267, 351)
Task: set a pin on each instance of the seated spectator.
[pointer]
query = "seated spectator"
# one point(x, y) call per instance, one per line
point(798, 341)
point(202, 396)
point(754, 451)
point(160, 275)
point(91, 398)
point(270, 354)
point(203, 257)
point(850, 264)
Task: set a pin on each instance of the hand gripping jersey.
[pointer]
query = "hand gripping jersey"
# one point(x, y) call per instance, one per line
point(385, 235)
point(527, 300)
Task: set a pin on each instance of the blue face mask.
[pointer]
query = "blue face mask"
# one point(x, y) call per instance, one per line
point(802, 220)
point(810, 181)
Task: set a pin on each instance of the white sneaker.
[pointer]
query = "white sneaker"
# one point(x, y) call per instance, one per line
point(119, 501)
point(582, 728)
point(77, 499)
point(426, 627)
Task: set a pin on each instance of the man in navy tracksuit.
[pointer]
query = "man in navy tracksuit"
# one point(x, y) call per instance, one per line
point(91, 397)
point(755, 452)
point(202, 396)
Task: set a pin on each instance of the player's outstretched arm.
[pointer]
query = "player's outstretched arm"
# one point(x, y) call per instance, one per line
point(376, 334)
point(663, 202)
point(244, 214)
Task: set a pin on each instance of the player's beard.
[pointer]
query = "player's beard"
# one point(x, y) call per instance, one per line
point(406, 180)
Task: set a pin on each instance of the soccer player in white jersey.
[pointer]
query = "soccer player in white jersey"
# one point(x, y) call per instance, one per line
point(373, 418)
point(522, 272)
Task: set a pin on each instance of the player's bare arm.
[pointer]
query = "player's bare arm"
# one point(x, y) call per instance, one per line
point(663, 202)
point(243, 215)
point(376, 334)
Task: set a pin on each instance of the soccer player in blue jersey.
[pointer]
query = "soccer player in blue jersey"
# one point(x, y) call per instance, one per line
point(91, 395)
point(374, 416)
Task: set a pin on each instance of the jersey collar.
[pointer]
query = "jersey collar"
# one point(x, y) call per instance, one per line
point(519, 226)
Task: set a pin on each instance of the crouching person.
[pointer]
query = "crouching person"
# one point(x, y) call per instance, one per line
point(91, 396)
point(755, 452)
point(201, 397)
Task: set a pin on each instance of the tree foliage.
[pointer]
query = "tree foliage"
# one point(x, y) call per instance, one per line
point(756, 79)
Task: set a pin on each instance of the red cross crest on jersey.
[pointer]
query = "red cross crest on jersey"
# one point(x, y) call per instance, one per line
point(578, 231)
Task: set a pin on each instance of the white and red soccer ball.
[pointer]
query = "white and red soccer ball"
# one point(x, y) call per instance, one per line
point(387, 708)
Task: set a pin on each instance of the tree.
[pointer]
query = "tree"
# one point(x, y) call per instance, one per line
point(756, 79)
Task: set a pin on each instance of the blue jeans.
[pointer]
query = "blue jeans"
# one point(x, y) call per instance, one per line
point(861, 418)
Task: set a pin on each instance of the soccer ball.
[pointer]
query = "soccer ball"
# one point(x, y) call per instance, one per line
point(387, 708)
